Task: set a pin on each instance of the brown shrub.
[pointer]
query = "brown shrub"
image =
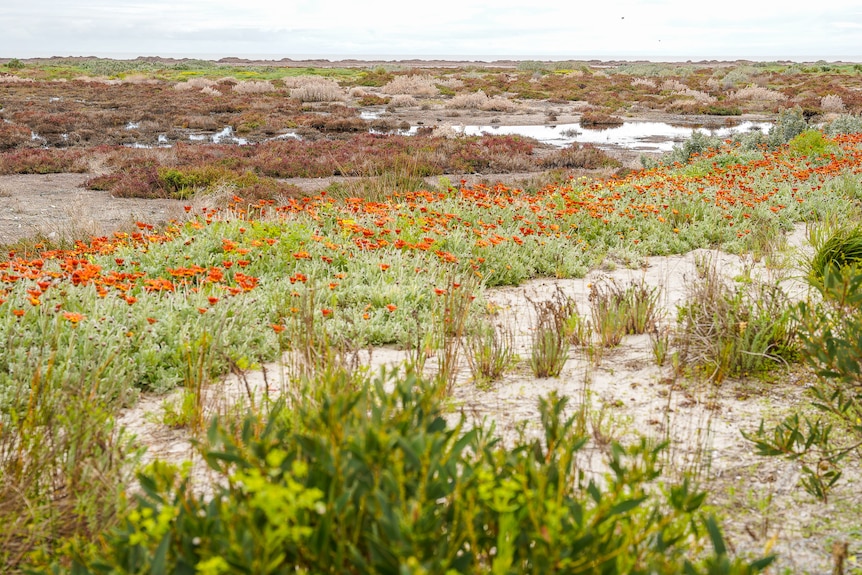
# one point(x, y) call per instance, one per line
point(582, 156)
point(600, 119)
point(42, 161)
point(13, 135)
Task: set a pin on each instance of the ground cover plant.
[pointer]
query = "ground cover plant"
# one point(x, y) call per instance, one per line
point(155, 309)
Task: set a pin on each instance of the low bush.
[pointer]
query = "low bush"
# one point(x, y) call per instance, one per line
point(579, 156)
point(830, 330)
point(600, 119)
point(43, 161)
point(790, 123)
point(370, 481)
point(731, 331)
point(811, 143)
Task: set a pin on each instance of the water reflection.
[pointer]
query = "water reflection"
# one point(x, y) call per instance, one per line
point(643, 136)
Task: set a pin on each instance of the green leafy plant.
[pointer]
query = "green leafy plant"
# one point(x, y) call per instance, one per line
point(371, 480)
point(829, 330)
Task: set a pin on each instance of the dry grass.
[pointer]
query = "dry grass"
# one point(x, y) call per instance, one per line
point(480, 101)
point(253, 87)
point(415, 85)
point(320, 90)
point(832, 103)
point(757, 93)
point(194, 84)
point(403, 101)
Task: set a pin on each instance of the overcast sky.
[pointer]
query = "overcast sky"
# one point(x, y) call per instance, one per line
point(631, 29)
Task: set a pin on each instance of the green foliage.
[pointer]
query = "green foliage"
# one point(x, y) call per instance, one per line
point(550, 349)
point(62, 456)
point(730, 331)
point(370, 481)
point(14, 64)
point(841, 249)
point(810, 143)
point(844, 124)
point(790, 123)
point(617, 310)
point(831, 335)
point(490, 351)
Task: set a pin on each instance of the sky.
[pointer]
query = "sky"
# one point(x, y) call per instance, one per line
point(532, 29)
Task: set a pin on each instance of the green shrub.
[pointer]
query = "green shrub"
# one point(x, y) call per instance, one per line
point(370, 481)
point(810, 143)
point(831, 344)
point(790, 123)
point(841, 249)
point(844, 124)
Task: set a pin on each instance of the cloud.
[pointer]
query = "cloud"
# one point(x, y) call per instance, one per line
point(629, 28)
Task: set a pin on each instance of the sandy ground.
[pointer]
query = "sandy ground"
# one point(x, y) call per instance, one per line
point(55, 206)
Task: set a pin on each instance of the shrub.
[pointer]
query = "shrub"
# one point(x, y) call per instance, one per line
point(617, 311)
point(697, 144)
point(579, 156)
point(758, 94)
point(734, 331)
point(810, 143)
point(551, 344)
point(403, 101)
point(253, 87)
point(841, 249)
point(63, 458)
point(319, 90)
point(195, 84)
point(42, 161)
point(411, 85)
point(370, 481)
point(600, 119)
point(830, 330)
point(790, 123)
point(490, 351)
point(844, 124)
point(832, 103)
point(13, 135)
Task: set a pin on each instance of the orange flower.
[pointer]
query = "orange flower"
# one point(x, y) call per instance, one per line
point(384, 267)
point(391, 307)
point(18, 312)
point(151, 320)
point(366, 315)
point(202, 310)
point(73, 317)
point(326, 312)
point(212, 299)
point(277, 327)
point(130, 299)
point(440, 291)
